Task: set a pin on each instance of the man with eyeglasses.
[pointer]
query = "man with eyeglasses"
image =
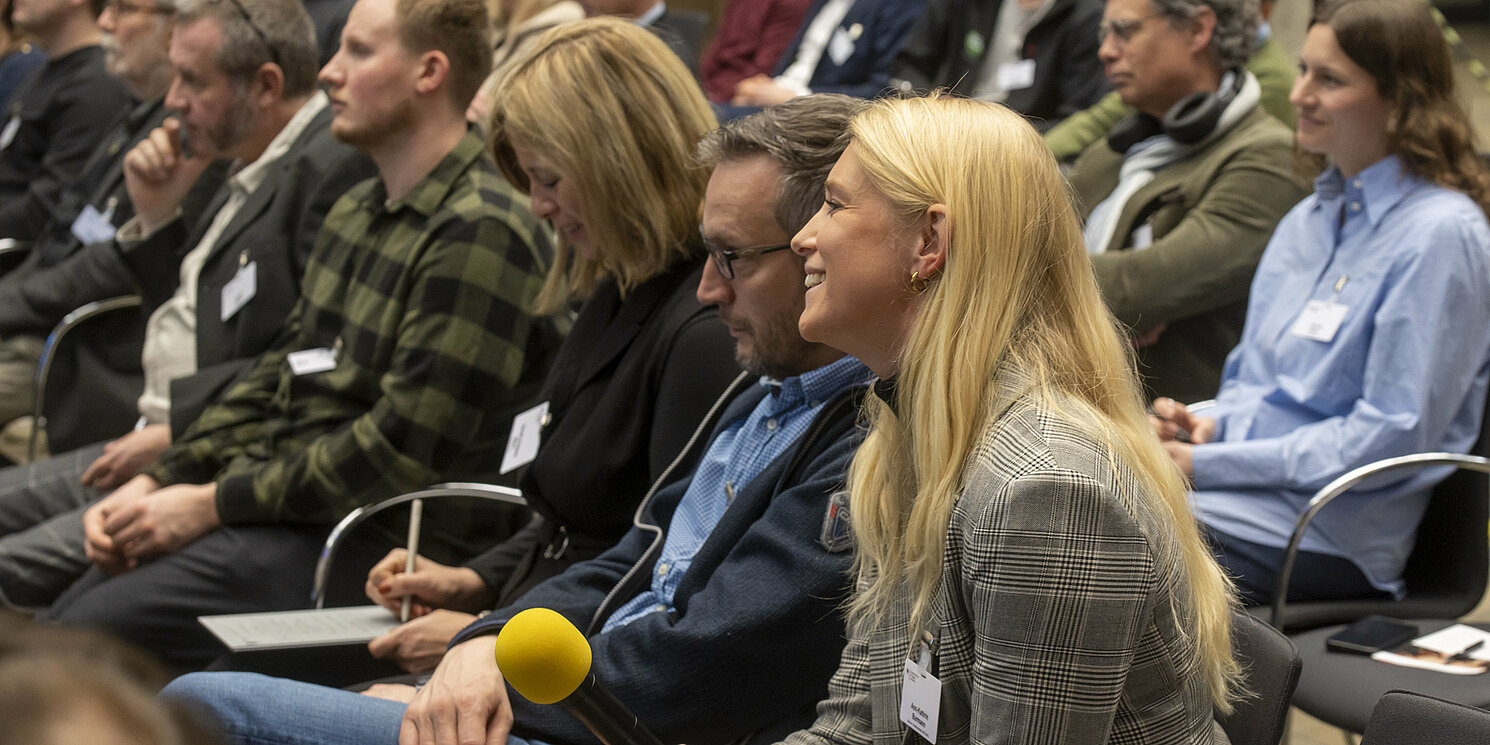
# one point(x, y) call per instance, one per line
point(1038, 57)
point(740, 567)
point(73, 260)
point(1182, 196)
point(217, 290)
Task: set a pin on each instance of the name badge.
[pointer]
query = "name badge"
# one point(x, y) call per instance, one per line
point(920, 701)
point(527, 432)
point(1320, 320)
point(9, 133)
point(240, 289)
point(1017, 75)
point(841, 47)
point(311, 361)
point(92, 226)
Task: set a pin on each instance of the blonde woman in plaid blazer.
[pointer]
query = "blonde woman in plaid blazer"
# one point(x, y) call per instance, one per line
point(1022, 538)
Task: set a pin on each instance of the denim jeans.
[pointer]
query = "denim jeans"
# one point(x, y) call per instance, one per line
point(259, 710)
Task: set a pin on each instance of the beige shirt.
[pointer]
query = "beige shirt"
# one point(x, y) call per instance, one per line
point(171, 333)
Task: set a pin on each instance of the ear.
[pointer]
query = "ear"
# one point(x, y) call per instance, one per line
point(1203, 26)
point(936, 234)
point(433, 69)
point(267, 86)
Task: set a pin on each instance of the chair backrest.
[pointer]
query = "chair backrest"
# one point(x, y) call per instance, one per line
point(1406, 718)
point(95, 349)
point(1449, 567)
point(1272, 664)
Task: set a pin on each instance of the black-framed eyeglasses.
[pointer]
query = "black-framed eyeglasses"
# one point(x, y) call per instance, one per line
point(259, 32)
point(724, 258)
point(123, 7)
point(1124, 28)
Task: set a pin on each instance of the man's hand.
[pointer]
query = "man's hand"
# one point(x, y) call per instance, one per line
point(432, 585)
point(123, 458)
point(98, 545)
point(158, 176)
point(1169, 417)
point(163, 521)
point(464, 703)
point(761, 90)
point(419, 645)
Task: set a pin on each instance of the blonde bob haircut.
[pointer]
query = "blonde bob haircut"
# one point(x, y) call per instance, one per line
point(1016, 290)
point(616, 112)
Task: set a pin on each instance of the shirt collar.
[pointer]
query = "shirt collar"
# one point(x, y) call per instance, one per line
point(247, 178)
point(650, 17)
point(426, 196)
point(1378, 188)
point(817, 386)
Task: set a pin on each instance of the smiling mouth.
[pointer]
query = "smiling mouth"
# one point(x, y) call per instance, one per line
point(813, 279)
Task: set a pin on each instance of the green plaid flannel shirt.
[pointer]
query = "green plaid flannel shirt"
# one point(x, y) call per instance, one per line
point(425, 303)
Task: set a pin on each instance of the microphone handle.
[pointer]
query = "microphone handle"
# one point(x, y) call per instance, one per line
point(605, 716)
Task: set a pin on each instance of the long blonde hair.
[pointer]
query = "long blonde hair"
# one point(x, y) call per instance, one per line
point(1017, 289)
point(616, 111)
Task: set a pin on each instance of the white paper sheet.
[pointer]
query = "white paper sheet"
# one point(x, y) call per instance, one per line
point(300, 628)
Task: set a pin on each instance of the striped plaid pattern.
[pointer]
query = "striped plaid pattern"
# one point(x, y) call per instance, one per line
point(424, 301)
point(1060, 614)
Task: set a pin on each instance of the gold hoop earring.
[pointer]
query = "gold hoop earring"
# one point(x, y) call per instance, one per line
point(917, 284)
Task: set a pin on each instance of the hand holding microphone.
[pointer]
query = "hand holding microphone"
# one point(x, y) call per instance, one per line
point(547, 660)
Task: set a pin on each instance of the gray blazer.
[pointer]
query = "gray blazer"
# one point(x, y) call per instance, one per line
point(1060, 614)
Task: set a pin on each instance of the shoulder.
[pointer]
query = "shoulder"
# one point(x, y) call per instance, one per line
point(1442, 224)
point(1259, 131)
point(1036, 469)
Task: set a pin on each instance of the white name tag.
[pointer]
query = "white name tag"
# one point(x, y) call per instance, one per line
point(527, 432)
point(841, 47)
point(9, 133)
point(1319, 321)
point(920, 701)
point(240, 289)
point(1017, 75)
point(310, 361)
point(92, 226)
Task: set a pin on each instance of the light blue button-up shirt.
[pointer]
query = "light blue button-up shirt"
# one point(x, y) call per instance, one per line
point(1405, 372)
point(741, 452)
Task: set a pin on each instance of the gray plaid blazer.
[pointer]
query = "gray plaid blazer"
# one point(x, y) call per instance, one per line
point(1059, 618)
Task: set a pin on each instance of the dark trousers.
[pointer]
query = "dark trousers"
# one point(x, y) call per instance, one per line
point(233, 569)
point(1255, 569)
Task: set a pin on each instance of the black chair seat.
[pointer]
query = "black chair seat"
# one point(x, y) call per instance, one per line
point(1341, 689)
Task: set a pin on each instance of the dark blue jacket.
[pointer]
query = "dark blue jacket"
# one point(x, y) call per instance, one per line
point(758, 628)
point(883, 25)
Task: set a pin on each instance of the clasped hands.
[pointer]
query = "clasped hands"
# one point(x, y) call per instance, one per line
point(1169, 418)
point(141, 521)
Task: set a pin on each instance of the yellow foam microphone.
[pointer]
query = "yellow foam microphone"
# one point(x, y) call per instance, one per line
point(547, 660)
point(543, 655)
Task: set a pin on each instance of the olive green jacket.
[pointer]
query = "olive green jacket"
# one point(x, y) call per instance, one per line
point(1210, 217)
point(1275, 73)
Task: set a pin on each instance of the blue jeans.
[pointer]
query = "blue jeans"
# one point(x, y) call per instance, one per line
point(259, 710)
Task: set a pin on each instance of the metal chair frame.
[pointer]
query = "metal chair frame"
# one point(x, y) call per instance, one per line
point(69, 323)
point(339, 533)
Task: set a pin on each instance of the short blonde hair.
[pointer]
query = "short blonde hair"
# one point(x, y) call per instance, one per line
point(617, 112)
point(1017, 288)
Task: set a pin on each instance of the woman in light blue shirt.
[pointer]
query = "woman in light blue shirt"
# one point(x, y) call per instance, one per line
point(1366, 333)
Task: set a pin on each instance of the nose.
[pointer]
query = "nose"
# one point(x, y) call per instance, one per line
point(805, 241)
point(713, 288)
point(542, 203)
point(107, 18)
point(1107, 51)
point(330, 74)
point(1299, 95)
point(174, 99)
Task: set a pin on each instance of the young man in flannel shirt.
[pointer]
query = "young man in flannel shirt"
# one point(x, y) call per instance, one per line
point(393, 371)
